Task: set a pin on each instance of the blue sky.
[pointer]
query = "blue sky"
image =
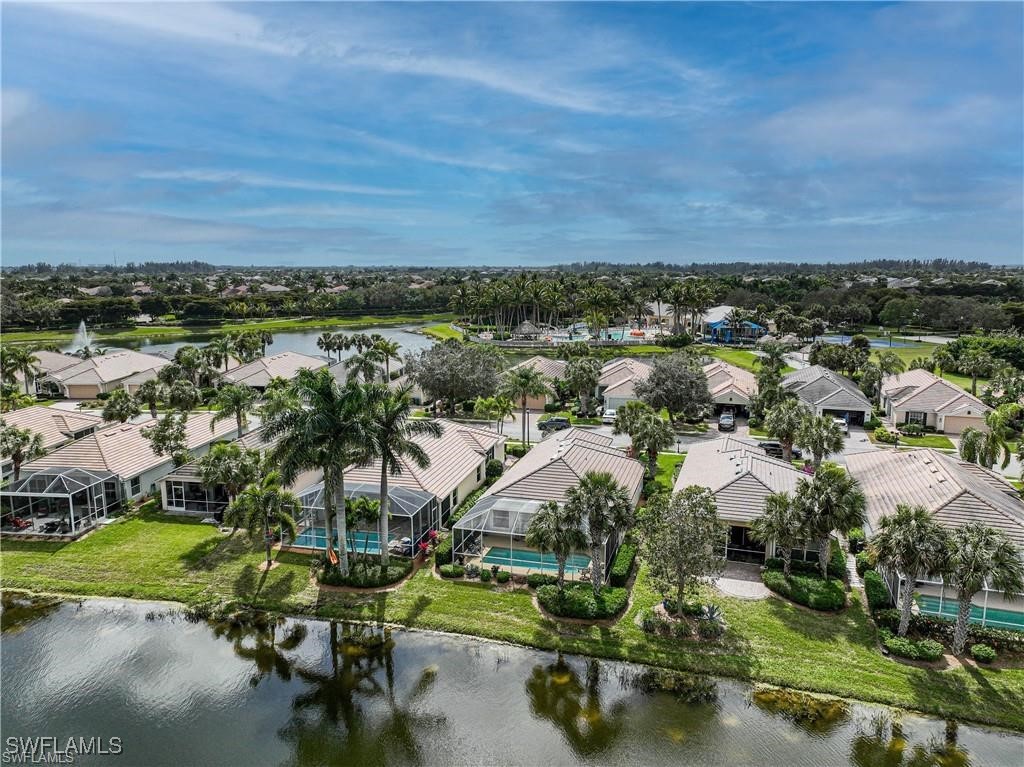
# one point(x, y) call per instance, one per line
point(518, 134)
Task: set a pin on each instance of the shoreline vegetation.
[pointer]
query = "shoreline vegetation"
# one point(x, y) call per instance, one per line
point(151, 556)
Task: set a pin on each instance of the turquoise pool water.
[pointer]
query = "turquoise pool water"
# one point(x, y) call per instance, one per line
point(506, 557)
point(316, 538)
point(876, 343)
point(1006, 619)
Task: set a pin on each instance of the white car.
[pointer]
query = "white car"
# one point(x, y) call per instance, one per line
point(841, 423)
point(608, 416)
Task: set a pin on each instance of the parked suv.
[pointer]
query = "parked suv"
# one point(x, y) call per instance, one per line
point(774, 449)
point(726, 422)
point(843, 426)
point(555, 423)
point(608, 416)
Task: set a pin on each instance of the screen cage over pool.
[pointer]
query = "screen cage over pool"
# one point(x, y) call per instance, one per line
point(412, 513)
point(61, 501)
point(499, 524)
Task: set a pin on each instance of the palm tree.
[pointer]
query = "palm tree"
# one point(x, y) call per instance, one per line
point(234, 400)
point(150, 393)
point(780, 523)
point(890, 362)
point(944, 359)
point(821, 435)
point(773, 357)
point(975, 363)
point(230, 465)
point(987, 448)
point(503, 408)
point(221, 348)
point(264, 506)
point(521, 384)
point(910, 544)
point(363, 365)
point(601, 506)
point(19, 359)
point(830, 501)
point(980, 556)
point(551, 529)
point(327, 343)
point(392, 438)
point(784, 422)
point(121, 406)
point(387, 351)
point(183, 395)
point(582, 375)
point(651, 434)
point(20, 445)
point(329, 431)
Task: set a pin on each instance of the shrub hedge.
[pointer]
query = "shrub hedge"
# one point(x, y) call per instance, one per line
point(982, 653)
point(806, 589)
point(923, 649)
point(864, 563)
point(536, 580)
point(882, 435)
point(503, 576)
point(876, 591)
point(856, 540)
point(368, 578)
point(941, 629)
point(443, 552)
point(836, 563)
point(578, 601)
point(518, 450)
point(622, 565)
point(485, 576)
point(452, 571)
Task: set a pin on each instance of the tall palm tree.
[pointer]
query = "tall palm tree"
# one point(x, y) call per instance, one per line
point(821, 435)
point(329, 430)
point(234, 400)
point(552, 529)
point(327, 343)
point(910, 544)
point(601, 506)
point(521, 384)
point(262, 507)
point(989, 447)
point(231, 466)
point(890, 362)
point(183, 395)
point(975, 363)
point(121, 406)
point(19, 359)
point(392, 438)
point(150, 393)
point(679, 296)
point(582, 375)
point(780, 523)
point(784, 421)
point(222, 347)
point(980, 556)
point(651, 434)
point(944, 359)
point(773, 357)
point(20, 446)
point(830, 501)
point(363, 365)
point(387, 351)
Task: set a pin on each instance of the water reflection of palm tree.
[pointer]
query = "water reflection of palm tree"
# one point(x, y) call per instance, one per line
point(574, 706)
point(883, 744)
point(254, 638)
point(356, 716)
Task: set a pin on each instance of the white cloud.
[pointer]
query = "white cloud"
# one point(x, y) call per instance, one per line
point(242, 178)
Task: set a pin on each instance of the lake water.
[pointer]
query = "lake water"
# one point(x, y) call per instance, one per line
point(302, 341)
point(315, 693)
point(876, 343)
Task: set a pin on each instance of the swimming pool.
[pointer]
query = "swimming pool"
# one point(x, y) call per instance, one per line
point(876, 343)
point(1007, 619)
point(316, 538)
point(534, 560)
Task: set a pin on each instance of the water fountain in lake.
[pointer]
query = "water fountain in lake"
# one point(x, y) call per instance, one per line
point(82, 343)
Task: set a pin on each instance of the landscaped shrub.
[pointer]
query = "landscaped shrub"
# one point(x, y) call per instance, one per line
point(652, 488)
point(865, 562)
point(485, 576)
point(578, 601)
point(622, 565)
point(452, 571)
point(536, 580)
point(675, 341)
point(872, 423)
point(941, 629)
point(982, 653)
point(912, 429)
point(924, 649)
point(690, 608)
point(856, 539)
point(518, 449)
point(503, 576)
point(882, 435)
point(552, 407)
point(494, 469)
point(472, 571)
point(836, 563)
point(374, 576)
point(443, 552)
point(806, 589)
point(876, 591)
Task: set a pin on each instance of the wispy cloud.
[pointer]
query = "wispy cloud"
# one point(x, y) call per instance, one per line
point(242, 178)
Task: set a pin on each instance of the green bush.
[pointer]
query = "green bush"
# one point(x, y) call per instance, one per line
point(872, 423)
point(485, 576)
point(503, 576)
point(518, 449)
point(690, 608)
point(882, 435)
point(494, 469)
point(452, 571)
point(370, 577)
point(912, 429)
point(982, 653)
point(864, 563)
point(924, 649)
point(552, 407)
point(472, 571)
point(443, 552)
point(836, 563)
point(876, 591)
point(536, 580)
point(941, 629)
point(622, 565)
point(806, 589)
point(578, 601)
point(856, 539)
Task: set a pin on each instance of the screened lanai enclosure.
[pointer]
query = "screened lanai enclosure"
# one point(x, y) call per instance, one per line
point(412, 515)
point(58, 501)
point(493, 533)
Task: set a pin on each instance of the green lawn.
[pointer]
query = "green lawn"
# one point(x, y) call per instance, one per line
point(939, 441)
point(908, 353)
point(741, 358)
point(153, 557)
point(442, 332)
point(667, 463)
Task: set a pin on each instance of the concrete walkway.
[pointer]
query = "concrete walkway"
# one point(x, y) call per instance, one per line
point(742, 581)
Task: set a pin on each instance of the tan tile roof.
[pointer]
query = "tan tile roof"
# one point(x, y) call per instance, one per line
point(50, 362)
point(123, 450)
point(922, 390)
point(724, 378)
point(615, 372)
point(739, 474)
point(56, 426)
point(955, 491)
point(818, 386)
point(554, 466)
point(285, 365)
point(546, 366)
point(453, 456)
point(583, 435)
point(108, 368)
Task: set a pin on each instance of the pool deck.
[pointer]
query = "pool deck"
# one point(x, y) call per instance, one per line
point(571, 573)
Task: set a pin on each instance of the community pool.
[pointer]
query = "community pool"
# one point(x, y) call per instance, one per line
point(1004, 619)
point(316, 538)
point(876, 343)
point(533, 560)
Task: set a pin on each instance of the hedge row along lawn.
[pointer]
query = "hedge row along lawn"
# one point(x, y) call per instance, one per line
point(155, 557)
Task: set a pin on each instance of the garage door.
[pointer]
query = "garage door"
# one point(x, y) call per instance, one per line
point(855, 417)
point(954, 424)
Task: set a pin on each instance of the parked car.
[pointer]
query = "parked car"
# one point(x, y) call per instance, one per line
point(608, 416)
point(842, 424)
point(727, 422)
point(554, 423)
point(774, 449)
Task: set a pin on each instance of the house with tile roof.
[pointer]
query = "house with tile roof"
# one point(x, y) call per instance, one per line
point(741, 477)
point(826, 392)
point(259, 373)
point(102, 374)
point(956, 493)
point(921, 397)
point(731, 388)
point(550, 368)
point(617, 383)
point(57, 427)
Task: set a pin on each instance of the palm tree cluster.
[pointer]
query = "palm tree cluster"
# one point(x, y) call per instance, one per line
point(373, 353)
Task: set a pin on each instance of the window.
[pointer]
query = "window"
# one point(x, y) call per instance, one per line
point(479, 471)
point(916, 416)
point(500, 519)
point(176, 495)
point(455, 497)
point(490, 454)
point(136, 486)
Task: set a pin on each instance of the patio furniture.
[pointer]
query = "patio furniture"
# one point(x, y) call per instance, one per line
point(20, 523)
